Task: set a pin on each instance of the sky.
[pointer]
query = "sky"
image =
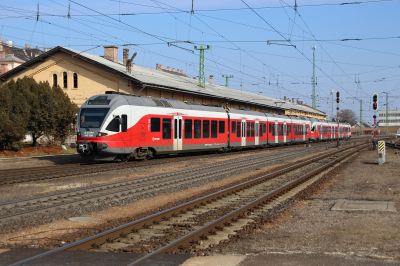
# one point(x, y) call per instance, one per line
point(265, 45)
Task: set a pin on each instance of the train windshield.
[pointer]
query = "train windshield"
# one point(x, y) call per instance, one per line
point(92, 117)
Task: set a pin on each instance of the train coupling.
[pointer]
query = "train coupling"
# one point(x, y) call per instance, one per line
point(83, 148)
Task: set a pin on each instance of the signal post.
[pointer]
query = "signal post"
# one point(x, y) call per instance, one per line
point(375, 108)
point(338, 129)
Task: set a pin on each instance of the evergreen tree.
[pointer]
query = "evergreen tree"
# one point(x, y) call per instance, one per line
point(65, 111)
point(41, 117)
point(14, 114)
point(35, 108)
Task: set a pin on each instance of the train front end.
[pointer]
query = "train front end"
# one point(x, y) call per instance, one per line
point(102, 127)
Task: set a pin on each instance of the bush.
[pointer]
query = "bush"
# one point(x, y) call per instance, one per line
point(28, 107)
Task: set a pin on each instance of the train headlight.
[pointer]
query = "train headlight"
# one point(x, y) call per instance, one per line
point(101, 134)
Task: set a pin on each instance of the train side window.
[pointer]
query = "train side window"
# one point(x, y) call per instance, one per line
point(221, 127)
point(197, 129)
point(233, 126)
point(214, 129)
point(252, 129)
point(113, 125)
point(188, 128)
point(206, 129)
point(166, 128)
point(248, 129)
point(124, 125)
point(261, 129)
point(155, 123)
point(265, 127)
point(238, 129)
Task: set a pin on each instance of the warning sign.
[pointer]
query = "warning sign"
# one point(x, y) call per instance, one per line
point(381, 145)
point(381, 152)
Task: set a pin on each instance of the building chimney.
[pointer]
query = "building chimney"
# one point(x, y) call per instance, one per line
point(169, 68)
point(194, 78)
point(111, 53)
point(182, 71)
point(162, 66)
point(9, 43)
point(211, 80)
point(46, 49)
point(125, 55)
point(1, 41)
point(284, 98)
point(27, 46)
point(178, 71)
point(173, 69)
point(4, 68)
point(292, 100)
point(2, 54)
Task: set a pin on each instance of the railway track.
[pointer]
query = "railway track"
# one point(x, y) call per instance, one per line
point(214, 219)
point(23, 175)
point(126, 190)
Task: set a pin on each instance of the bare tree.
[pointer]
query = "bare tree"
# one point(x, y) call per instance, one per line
point(348, 116)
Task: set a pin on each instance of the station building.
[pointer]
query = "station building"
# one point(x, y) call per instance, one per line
point(393, 118)
point(83, 75)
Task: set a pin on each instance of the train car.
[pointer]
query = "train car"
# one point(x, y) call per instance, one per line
point(248, 129)
point(120, 126)
point(123, 126)
point(300, 129)
point(278, 129)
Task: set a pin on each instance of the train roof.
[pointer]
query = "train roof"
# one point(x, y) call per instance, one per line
point(115, 99)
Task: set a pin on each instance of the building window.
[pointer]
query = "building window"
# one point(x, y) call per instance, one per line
point(75, 80)
point(55, 80)
point(65, 80)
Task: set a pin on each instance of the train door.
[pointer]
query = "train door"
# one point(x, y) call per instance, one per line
point(243, 132)
point(304, 131)
point(257, 133)
point(284, 132)
point(276, 131)
point(177, 132)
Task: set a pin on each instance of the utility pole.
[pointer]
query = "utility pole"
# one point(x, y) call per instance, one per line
point(361, 114)
point(202, 81)
point(332, 91)
point(387, 112)
point(314, 102)
point(361, 119)
point(227, 79)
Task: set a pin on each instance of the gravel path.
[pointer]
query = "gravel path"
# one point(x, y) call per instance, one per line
point(313, 228)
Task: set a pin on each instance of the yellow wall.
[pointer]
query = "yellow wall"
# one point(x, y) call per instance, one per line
point(93, 80)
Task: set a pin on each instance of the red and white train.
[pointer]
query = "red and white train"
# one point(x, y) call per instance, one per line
point(120, 126)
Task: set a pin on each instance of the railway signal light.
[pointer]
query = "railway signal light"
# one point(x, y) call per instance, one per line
point(375, 101)
point(338, 96)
